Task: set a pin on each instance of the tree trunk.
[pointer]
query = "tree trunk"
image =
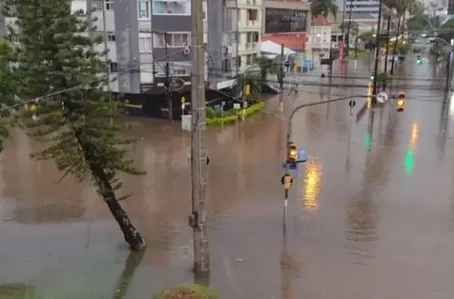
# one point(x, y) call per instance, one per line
point(395, 47)
point(387, 42)
point(131, 234)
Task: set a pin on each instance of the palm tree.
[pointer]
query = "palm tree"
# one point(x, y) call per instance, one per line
point(390, 4)
point(324, 8)
point(401, 8)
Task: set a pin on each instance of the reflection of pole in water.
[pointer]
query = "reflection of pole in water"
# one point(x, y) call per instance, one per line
point(124, 281)
point(288, 270)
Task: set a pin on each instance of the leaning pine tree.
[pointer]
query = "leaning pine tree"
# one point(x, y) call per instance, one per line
point(56, 58)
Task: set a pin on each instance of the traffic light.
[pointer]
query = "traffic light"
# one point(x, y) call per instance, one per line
point(292, 154)
point(32, 107)
point(371, 77)
point(247, 89)
point(400, 101)
point(418, 59)
point(287, 181)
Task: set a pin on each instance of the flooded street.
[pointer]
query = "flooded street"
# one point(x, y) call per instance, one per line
point(371, 213)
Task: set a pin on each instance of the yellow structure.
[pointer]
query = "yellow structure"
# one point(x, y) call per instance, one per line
point(400, 101)
point(292, 155)
point(370, 89)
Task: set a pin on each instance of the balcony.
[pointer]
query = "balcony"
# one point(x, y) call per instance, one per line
point(174, 7)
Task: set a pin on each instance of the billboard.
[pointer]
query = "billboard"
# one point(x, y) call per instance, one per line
point(280, 20)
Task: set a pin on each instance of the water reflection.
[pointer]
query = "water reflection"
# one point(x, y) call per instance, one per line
point(311, 186)
point(124, 281)
point(16, 291)
point(289, 271)
point(409, 156)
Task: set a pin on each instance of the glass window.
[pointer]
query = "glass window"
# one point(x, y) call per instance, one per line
point(144, 9)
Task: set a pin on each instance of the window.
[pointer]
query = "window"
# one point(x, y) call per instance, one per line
point(252, 37)
point(110, 36)
point(145, 43)
point(144, 9)
point(226, 65)
point(113, 67)
point(171, 7)
point(172, 39)
point(252, 14)
point(176, 68)
point(238, 62)
point(109, 4)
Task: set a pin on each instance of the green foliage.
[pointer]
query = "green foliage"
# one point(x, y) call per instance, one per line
point(323, 8)
point(367, 37)
point(253, 79)
point(55, 58)
point(7, 91)
point(415, 8)
point(382, 77)
point(403, 47)
point(231, 118)
point(188, 291)
point(446, 31)
point(417, 23)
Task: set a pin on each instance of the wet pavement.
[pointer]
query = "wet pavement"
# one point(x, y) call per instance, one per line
point(371, 213)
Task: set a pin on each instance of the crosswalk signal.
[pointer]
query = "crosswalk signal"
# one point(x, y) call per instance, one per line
point(247, 89)
point(400, 101)
point(292, 155)
point(287, 181)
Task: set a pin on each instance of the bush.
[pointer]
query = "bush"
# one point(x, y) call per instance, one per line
point(187, 291)
point(231, 118)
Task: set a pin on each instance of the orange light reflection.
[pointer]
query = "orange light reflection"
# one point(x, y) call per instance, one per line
point(311, 186)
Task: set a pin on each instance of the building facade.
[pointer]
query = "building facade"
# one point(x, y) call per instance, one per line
point(249, 32)
point(288, 23)
point(143, 35)
point(362, 7)
point(320, 39)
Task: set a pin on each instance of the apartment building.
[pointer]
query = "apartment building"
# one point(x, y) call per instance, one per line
point(362, 7)
point(249, 32)
point(137, 45)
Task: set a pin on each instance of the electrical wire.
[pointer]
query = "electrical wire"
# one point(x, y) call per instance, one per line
point(55, 93)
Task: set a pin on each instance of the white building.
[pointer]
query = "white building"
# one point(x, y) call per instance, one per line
point(249, 31)
point(320, 39)
point(137, 48)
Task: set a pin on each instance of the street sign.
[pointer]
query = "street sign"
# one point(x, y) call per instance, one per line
point(176, 83)
point(287, 181)
point(382, 97)
point(352, 103)
point(302, 156)
point(183, 100)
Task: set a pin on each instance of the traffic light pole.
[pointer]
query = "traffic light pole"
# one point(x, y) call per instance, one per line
point(377, 49)
point(289, 137)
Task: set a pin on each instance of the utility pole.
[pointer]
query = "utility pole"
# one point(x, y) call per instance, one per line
point(106, 49)
point(377, 50)
point(356, 41)
point(168, 88)
point(281, 77)
point(387, 42)
point(199, 177)
point(347, 40)
point(343, 25)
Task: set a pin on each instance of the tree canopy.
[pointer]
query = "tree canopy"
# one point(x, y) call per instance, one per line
point(323, 8)
point(57, 57)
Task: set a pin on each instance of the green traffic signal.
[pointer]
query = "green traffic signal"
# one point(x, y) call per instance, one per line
point(371, 78)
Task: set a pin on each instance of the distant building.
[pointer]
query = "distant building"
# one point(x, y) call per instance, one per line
point(320, 39)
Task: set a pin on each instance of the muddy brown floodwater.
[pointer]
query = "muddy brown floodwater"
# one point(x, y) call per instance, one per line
point(371, 213)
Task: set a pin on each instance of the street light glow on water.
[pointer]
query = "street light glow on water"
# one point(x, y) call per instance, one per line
point(311, 186)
